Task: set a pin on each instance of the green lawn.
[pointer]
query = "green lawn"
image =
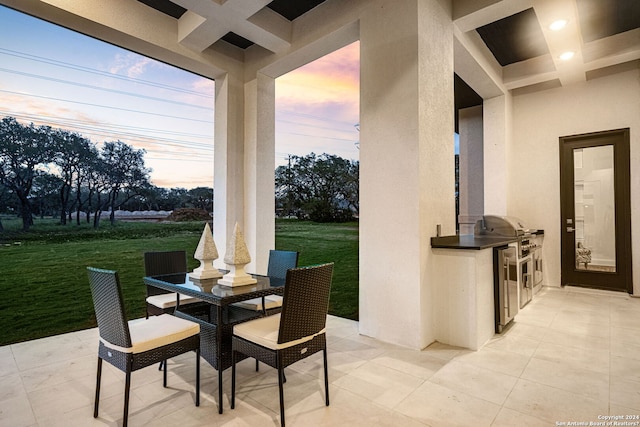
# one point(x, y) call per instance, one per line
point(43, 275)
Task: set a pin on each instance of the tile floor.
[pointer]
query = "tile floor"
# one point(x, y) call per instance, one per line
point(572, 355)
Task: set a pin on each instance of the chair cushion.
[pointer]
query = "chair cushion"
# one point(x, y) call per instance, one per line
point(155, 332)
point(271, 301)
point(264, 332)
point(169, 300)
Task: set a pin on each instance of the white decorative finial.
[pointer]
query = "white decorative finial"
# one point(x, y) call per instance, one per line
point(206, 253)
point(236, 257)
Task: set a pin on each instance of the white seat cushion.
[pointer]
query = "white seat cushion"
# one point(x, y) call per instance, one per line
point(271, 301)
point(169, 300)
point(155, 332)
point(264, 332)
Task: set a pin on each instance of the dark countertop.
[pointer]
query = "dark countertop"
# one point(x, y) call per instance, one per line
point(470, 242)
point(474, 242)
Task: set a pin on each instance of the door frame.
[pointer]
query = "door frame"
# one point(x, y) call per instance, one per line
point(570, 275)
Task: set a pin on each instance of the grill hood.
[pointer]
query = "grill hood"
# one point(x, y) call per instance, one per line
point(498, 225)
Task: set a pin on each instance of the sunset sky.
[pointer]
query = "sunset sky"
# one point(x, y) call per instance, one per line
point(54, 76)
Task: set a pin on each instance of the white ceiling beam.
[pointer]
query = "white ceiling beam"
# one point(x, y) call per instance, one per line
point(475, 64)
point(532, 71)
point(198, 33)
point(625, 45)
point(567, 39)
point(272, 22)
point(205, 23)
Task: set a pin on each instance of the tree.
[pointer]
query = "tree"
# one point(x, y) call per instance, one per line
point(89, 156)
point(97, 182)
point(323, 188)
point(72, 152)
point(5, 197)
point(125, 173)
point(22, 150)
point(46, 188)
point(178, 197)
point(201, 198)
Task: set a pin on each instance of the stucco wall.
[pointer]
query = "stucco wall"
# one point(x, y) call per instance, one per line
point(406, 165)
point(539, 119)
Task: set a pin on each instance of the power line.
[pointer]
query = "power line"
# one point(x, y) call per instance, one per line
point(119, 92)
point(314, 126)
point(186, 159)
point(318, 136)
point(57, 63)
point(101, 126)
point(106, 106)
point(121, 135)
point(293, 113)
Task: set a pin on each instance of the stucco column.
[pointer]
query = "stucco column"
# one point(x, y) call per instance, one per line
point(228, 170)
point(406, 164)
point(497, 124)
point(259, 167)
point(471, 171)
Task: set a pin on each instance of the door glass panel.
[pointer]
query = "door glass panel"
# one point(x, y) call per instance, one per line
point(594, 199)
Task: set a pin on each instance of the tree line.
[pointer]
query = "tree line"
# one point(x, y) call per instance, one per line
point(54, 172)
point(322, 188)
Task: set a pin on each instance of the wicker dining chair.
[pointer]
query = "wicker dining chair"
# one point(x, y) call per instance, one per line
point(279, 263)
point(292, 335)
point(130, 346)
point(158, 300)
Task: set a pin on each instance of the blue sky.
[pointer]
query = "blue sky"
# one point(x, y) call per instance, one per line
point(51, 75)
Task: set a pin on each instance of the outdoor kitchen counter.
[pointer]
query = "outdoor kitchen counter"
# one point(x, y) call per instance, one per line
point(470, 242)
point(465, 317)
point(464, 287)
point(474, 242)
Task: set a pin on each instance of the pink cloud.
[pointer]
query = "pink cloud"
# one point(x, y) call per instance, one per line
point(329, 86)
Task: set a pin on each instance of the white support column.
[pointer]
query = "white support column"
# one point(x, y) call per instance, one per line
point(259, 166)
point(228, 171)
point(497, 134)
point(471, 190)
point(406, 164)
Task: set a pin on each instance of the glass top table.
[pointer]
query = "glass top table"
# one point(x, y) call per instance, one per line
point(216, 324)
point(208, 290)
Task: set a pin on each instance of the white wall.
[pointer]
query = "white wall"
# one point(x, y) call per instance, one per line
point(406, 165)
point(539, 120)
point(471, 190)
point(497, 131)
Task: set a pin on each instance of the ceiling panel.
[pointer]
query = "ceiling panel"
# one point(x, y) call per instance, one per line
point(292, 9)
point(605, 18)
point(237, 40)
point(514, 38)
point(166, 7)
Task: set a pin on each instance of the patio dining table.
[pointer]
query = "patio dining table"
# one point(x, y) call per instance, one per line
point(216, 315)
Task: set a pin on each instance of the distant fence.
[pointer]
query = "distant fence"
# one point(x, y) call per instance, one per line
point(138, 215)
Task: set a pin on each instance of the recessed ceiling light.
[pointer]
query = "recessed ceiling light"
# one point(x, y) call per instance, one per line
point(567, 55)
point(558, 25)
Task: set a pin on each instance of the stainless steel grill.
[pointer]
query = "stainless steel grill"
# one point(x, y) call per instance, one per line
point(510, 226)
point(507, 226)
point(504, 226)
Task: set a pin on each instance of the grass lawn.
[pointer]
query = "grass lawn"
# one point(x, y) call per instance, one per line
point(44, 283)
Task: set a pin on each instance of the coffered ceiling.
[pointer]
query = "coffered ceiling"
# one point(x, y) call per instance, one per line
point(499, 45)
point(513, 35)
point(241, 23)
point(603, 37)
